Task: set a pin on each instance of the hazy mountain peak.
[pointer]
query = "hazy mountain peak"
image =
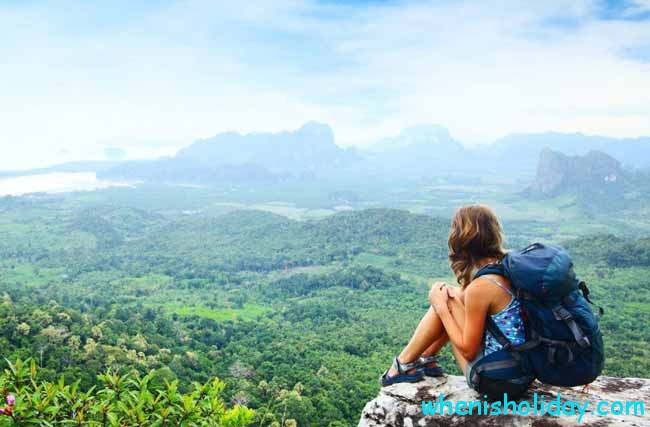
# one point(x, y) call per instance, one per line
point(259, 156)
point(526, 147)
point(594, 177)
point(422, 134)
point(317, 128)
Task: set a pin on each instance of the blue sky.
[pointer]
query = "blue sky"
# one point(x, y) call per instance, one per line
point(152, 76)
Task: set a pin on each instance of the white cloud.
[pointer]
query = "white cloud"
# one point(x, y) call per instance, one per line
point(150, 81)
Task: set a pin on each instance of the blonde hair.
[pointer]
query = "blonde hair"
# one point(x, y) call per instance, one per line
point(475, 235)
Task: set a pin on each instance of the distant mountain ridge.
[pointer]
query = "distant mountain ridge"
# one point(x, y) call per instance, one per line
point(310, 147)
point(429, 149)
point(634, 152)
point(420, 150)
point(417, 152)
point(255, 157)
point(424, 135)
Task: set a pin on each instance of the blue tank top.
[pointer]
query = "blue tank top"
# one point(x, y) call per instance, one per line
point(509, 321)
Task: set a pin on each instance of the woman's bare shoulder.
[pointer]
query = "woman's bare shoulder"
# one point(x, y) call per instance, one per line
point(478, 288)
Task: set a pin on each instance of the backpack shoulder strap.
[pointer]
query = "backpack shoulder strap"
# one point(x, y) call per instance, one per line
point(499, 284)
point(495, 268)
point(492, 327)
point(497, 333)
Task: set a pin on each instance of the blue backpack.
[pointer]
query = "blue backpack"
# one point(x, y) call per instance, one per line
point(564, 345)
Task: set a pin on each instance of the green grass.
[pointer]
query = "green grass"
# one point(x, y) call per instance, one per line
point(248, 312)
point(29, 275)
point(379, 261)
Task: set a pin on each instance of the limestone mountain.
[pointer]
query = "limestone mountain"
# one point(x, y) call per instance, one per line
point(592, 173)
point(310, 147)
point(417, 151)
point(422, 137)
point(525, 148)
point(251, 157)
point(594, 181)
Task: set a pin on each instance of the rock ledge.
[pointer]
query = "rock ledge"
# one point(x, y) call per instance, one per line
point(400, 405)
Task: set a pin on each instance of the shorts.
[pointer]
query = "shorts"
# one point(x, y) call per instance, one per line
point(470, 365)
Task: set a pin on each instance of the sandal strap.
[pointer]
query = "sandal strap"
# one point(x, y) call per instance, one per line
point(425, 360)
point(401, 368)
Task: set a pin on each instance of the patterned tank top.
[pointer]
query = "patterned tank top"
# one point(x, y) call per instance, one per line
point(508, 320)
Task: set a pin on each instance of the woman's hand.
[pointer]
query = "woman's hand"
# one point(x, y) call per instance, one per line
point(438, 296)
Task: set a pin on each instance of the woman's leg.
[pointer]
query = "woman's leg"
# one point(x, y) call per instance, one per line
point(457, 308)
point(429, 337)
point(437, 345)
point(429, 331)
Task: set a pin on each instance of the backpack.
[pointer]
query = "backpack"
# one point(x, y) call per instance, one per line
point(564, 345)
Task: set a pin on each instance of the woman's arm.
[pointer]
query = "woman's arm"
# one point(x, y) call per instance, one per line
point(467, 334)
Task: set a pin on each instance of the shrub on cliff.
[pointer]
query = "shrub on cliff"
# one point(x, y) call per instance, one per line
point(121, 400)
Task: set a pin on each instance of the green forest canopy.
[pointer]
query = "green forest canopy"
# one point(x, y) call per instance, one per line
point(297, 318)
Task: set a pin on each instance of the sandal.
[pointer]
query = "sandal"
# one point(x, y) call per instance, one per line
point(422, 363)
point(402, 376)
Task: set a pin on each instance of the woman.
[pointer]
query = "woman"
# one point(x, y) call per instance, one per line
point(458, 315)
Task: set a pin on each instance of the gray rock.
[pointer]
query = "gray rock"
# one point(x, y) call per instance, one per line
point(400, 405)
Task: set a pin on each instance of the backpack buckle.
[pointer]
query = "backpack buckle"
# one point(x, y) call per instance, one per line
point(561, 313)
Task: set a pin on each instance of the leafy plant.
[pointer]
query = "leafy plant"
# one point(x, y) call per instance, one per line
point(120, 401)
